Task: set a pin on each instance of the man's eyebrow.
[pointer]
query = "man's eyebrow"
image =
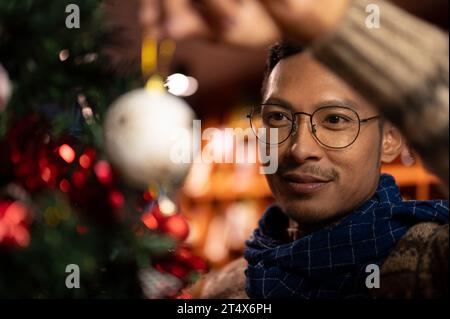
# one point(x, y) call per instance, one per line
point(333, 102)
point(339, 102)
point(278, 101)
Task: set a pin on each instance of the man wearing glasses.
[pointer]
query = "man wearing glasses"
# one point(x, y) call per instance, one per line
point(342, 214)
point(336, 216)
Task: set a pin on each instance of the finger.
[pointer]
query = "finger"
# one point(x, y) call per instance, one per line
point(150, 19)
point(274, 7)
point(182, 20)
point(218, 13)
point(222, 8)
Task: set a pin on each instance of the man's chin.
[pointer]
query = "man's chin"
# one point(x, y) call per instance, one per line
point(308, 212)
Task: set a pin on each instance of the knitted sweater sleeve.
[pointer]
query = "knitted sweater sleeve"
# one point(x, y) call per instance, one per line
point(401, 67)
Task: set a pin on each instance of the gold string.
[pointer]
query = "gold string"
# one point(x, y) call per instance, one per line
point(152, 57)
point(149, 56)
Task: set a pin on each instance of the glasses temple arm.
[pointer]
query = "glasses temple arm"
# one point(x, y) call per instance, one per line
point(369, 119)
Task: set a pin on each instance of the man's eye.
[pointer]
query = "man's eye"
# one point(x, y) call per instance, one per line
point(278, 117)
point(336, 119)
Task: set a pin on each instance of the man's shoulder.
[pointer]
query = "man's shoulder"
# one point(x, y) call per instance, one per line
point(417, 266)
point(226, 283)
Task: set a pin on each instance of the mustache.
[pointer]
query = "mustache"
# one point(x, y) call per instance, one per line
point(325, 173)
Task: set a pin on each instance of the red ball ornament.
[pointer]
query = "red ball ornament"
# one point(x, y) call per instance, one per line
point(103, 172)
point(173, 267)
point(79, 178)
point(14, 220)
point(150, 220)
point(156, 212)
point(175, 226)
point(87, 158)
point(116, 199)
point(197, 263)
point(186, 256)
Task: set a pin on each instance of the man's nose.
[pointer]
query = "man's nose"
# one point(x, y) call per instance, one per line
point(304, 146)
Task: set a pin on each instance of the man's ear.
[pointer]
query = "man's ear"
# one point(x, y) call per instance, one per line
point(391, 144)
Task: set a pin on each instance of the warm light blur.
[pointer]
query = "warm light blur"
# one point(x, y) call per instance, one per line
point(67, 153)
point(181, 85)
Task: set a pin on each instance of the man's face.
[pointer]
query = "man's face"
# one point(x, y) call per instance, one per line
point(315, 184)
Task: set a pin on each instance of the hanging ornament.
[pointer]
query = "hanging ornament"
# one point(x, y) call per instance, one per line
point(140, 131)
point(14, 221)
point(32, 158)
point(175, 226)
point(173, 267)
point(185, 255)
point(5, 88)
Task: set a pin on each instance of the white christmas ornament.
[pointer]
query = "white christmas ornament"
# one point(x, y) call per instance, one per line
point(5, 88)
point(139, 132)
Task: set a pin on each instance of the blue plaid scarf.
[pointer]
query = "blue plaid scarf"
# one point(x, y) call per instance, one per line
point(331, 263)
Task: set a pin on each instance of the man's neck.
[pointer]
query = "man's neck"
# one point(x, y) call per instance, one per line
point(296, 230)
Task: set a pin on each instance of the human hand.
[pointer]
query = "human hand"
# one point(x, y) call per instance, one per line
point(236, 22)
point(306, 20)
point(255, 23)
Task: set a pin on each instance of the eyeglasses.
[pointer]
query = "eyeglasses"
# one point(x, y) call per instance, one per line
point(333, 126)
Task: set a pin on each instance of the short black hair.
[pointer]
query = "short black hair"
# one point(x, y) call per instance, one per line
point(283, 50)
point(278, 52)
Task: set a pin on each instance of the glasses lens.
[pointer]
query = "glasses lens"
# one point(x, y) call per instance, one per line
point(336, 127)
point(272, 124)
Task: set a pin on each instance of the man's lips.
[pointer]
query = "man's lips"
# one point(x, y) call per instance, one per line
point(305, 183)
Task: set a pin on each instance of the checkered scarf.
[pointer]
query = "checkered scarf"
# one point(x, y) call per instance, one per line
point(331, 263)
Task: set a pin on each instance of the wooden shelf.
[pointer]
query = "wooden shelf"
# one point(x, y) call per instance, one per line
point(230, 186)
point(414, 176)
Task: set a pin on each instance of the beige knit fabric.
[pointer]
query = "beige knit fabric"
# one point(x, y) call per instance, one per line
point(402, 68)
